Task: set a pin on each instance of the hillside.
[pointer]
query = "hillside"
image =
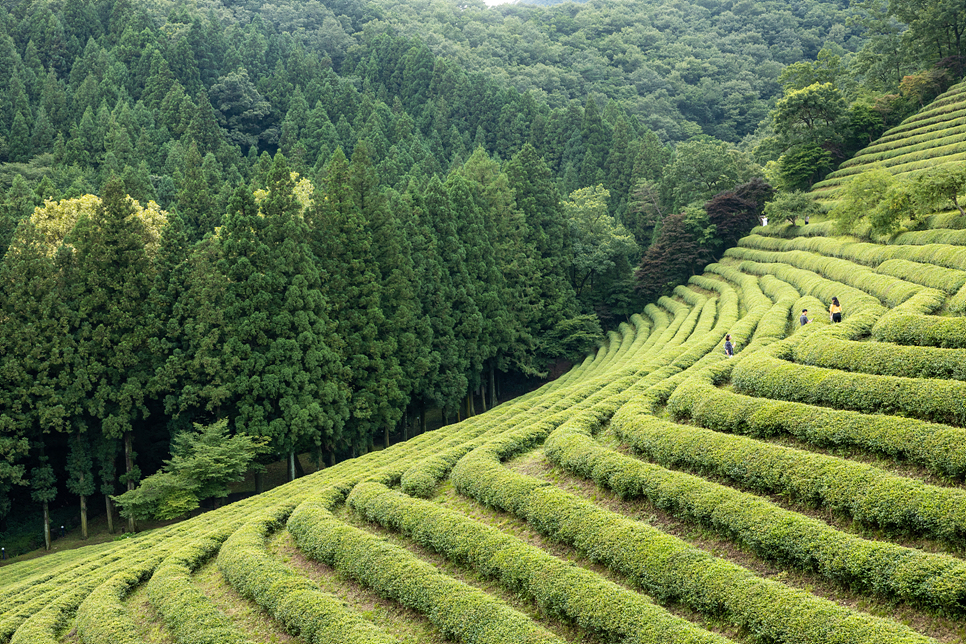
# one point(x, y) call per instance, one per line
point(807, 490)
point(931, 138)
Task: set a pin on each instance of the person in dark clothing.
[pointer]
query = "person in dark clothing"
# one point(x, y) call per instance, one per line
point(803, 318)
point(729, 348)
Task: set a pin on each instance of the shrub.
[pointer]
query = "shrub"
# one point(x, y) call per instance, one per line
point(558, 587)
point(461, 612)
point(661, 564)
point(937, 581)
point(867, 494)
point(939, 448)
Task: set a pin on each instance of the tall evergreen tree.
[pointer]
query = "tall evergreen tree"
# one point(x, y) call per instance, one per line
point(267, 355)
point(107, 281)
point(343, 248)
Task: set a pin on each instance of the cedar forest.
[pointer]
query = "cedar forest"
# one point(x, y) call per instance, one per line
point(325, 220)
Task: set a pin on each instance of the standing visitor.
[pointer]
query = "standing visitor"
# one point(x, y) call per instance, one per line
point(729, 348)
point(803, 318)
point(835, 311)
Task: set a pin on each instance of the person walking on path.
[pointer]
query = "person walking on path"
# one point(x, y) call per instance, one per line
point(803, 318)
point(835, 310)
point(729, 348)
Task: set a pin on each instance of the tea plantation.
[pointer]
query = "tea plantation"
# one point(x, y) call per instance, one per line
point(807, 490)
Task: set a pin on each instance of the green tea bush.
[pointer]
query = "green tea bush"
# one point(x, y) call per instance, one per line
point(939, 448)
point(663, 565)
point(461, 612)
point(867, 494)
point(890, 290)
point(297, 602)
point(187, 612)
point(559, 588)
point(925, 330)
point(940, 401)
point(102, 617)
point(936, 581)
point(882, 359)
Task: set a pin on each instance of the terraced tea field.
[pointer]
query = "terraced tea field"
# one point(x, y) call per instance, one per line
point(808, 490)
point(933, 137)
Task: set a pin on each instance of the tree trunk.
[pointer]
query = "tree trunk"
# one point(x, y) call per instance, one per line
point(422, 417)
point(483, 394)
point(291, 465)
point(132, 525)
point(493, 402)
point(299, 470)
point(47, 525)
point(332, 458)
point(386, 441)
point(83, 501)
point(259, 482)
point(110, 513)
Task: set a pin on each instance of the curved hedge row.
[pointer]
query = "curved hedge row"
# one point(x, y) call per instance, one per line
point(187, 612)
point(461, 612)
point(925, 330)
point(935, 236)
point(946, 129)
point(890, 290)
point(882, 258)
point(865, 493)
point(882, 358)
point(48, 604)
point(939, 448)
point(937, 277)
point(661, 564)
point(317, 617)
point(558, 587)
point(939, 401)
point(891, 571)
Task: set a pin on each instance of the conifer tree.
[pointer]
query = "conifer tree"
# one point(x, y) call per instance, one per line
point(107, 282)
point(343, 248)
point(267, 355)
point(548, 236)
point(28, 338)
point(195, 202)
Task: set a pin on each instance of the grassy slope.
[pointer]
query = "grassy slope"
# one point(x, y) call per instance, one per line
point(808, 490)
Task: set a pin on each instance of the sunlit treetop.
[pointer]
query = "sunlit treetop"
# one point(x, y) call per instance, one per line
point(56, 219)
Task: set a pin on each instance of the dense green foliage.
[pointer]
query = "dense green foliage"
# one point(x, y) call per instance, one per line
point(319, 224)
point(518, 539)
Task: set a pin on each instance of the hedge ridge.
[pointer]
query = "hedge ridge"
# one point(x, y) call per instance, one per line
point(44, 626)
point(925, 330)
point(461, 612)
point(102, 617)
point(936, 581)
point(890, 290)
point(939, 401)
point(867, 494)
point(662, 565)
point(295, 601)
point(558, 587)
point(939, 448)
point(187, 612)
point(878, 255)
point(54, 601)
point(882, 358)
